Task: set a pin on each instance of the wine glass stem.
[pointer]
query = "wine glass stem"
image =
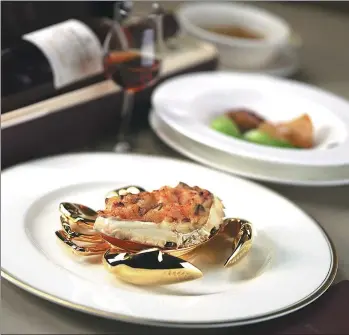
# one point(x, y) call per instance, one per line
point(126, 116)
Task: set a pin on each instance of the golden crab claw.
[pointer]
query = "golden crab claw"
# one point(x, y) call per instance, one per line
point(150, 267)
point(124, 190)
point(241, 233)
point(80, 217)
point(89, 249)
point(77, 236)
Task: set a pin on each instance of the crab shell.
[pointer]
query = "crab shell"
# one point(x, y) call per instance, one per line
point(162, 237)
point(138, 263)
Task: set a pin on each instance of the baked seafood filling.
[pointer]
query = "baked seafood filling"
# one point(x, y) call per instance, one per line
point(175, 217)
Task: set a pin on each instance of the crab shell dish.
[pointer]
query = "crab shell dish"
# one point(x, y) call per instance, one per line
point(143, 234)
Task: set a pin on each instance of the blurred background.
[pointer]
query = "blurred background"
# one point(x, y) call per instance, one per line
point(320, 57)
point(322, 26)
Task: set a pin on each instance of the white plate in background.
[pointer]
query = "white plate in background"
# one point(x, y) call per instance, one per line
point(189, 102)
point(286, 64)
point(289, 244)
point(261, 171)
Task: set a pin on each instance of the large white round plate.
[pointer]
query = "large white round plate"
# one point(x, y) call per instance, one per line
point(292, 261)
point(188, 104)
point(280, 174)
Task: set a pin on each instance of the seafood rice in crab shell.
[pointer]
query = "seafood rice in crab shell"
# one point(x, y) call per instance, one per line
point(171, 217)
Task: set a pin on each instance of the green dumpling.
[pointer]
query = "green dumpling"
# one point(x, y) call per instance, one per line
point(260, 137)
point(225, 125)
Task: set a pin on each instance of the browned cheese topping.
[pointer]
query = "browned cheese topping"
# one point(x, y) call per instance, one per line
point(172, 204)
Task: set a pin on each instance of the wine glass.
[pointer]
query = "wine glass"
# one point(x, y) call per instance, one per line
point(132, 60)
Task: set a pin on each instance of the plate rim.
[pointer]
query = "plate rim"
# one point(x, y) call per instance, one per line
point(194, 157)
point(139, 320)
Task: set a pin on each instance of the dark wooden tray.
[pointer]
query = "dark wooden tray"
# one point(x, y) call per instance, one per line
point(77, 119)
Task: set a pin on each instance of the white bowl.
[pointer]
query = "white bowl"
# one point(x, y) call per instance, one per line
point(188, 104)
point(237, 52)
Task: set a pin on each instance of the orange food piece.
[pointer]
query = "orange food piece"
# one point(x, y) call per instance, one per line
point(299, 132)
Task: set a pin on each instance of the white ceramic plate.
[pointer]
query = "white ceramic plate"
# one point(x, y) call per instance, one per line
point(291, 263)
point(238, 165)
point(286, 64)
point(188, 104)
point(236, 52)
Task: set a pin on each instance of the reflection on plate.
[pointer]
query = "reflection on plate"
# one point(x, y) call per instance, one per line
point(288, 243)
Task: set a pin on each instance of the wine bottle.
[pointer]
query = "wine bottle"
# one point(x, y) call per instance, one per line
point(58, 59)
point(22, 17)
point(51, 61)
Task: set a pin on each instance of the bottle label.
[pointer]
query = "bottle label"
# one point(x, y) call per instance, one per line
point(72, 49)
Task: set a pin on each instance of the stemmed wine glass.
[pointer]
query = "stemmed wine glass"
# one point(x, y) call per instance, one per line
point(132, 59)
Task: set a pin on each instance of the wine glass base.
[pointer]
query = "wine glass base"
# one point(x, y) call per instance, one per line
point(122, 147)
